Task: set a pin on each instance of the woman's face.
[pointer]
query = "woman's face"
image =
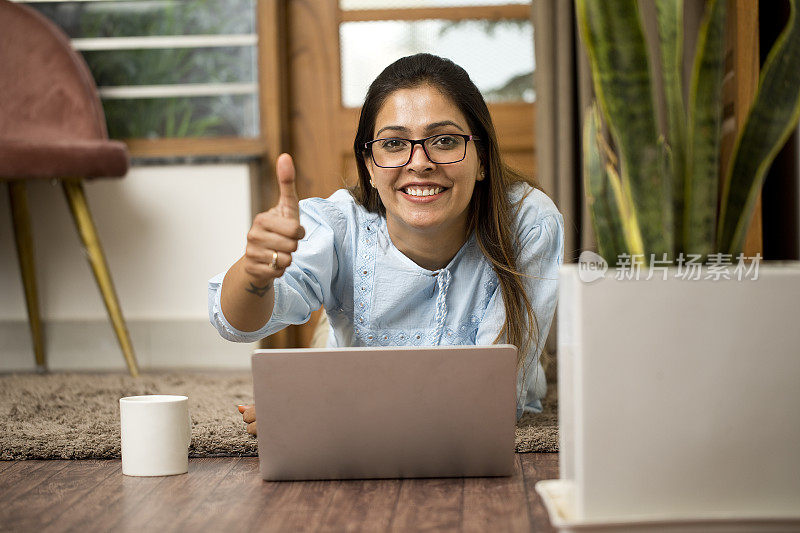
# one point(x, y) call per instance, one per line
point(417, 113)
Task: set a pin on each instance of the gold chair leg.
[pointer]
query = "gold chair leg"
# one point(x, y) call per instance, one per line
point(20, 216)
point(91, 243)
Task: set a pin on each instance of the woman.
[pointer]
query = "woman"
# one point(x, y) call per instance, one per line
point(438, 243)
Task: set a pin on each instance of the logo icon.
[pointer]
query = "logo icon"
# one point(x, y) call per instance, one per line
point(591, 266)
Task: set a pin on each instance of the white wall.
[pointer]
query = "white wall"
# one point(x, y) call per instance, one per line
point(165, 231)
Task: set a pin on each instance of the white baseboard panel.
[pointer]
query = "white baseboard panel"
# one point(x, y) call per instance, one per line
point(87, 345)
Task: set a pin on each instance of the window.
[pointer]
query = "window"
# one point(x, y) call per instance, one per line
point(499, 57)
point(169, 69)
point(491, 39)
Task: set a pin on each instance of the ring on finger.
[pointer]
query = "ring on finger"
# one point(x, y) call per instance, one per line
point(274, 264)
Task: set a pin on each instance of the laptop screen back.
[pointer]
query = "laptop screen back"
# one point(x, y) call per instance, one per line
point(394, 412)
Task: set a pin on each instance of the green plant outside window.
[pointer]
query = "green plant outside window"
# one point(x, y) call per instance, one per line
point(167, 115)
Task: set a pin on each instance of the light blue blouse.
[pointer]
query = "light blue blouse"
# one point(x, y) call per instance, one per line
point(376, 296)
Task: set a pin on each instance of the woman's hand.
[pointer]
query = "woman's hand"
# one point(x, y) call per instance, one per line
point(249, 417)
point(276, 231)
point(248, 295)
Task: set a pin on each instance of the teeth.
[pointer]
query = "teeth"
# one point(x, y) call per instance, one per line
point(416, 191)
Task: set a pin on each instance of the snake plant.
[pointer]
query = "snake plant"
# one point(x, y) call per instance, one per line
point(652, 194)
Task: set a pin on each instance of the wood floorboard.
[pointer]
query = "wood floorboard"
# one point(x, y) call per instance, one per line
point(215, 511)
point(362, 505)
point(97, 506)
point(496, 504)
point(132, 496)
point(24, 477)
point(204, 476)
point(53, 497)
point(536, 467)
point(15, 471)
point(236, 503)
point(5, 465)
point(429, 505)
point(173, 499)
point(296, 505)
point(228, 495)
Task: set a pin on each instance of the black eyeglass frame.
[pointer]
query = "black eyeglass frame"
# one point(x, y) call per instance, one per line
point(414, 142)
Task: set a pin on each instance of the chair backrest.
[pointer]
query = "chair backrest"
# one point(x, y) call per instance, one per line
point(46, 89)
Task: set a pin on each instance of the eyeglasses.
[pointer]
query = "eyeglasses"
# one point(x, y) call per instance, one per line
point(442, 149)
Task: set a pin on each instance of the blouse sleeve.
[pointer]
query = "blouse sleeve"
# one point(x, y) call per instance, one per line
point(541, 255)
point(305, 285)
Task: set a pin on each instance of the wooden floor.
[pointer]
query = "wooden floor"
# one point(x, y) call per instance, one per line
point(228, 495)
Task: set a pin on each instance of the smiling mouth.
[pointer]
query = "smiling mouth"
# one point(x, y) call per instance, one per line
point(423, 191)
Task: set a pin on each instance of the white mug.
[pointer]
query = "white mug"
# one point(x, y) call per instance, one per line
point(156, 432)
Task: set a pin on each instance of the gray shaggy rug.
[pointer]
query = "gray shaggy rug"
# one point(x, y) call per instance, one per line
point(76, 415)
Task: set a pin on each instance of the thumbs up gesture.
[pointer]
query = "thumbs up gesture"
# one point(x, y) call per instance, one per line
point(274, 235)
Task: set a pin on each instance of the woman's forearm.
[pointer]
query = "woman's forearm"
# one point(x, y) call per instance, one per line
point(246, 304)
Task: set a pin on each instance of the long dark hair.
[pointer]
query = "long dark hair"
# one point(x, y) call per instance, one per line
point(491, 214)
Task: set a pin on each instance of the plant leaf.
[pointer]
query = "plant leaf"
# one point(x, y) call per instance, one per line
point(705, 122)
point(603, 204)
point(772, 118)
point(615, 43)
point(669, 15)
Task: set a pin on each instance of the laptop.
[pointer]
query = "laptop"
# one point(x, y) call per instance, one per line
point(393, 412)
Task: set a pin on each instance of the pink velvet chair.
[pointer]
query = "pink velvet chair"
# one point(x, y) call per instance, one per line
point(52, 127)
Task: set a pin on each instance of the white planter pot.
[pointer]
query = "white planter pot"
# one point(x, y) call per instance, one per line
point(680, 399)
